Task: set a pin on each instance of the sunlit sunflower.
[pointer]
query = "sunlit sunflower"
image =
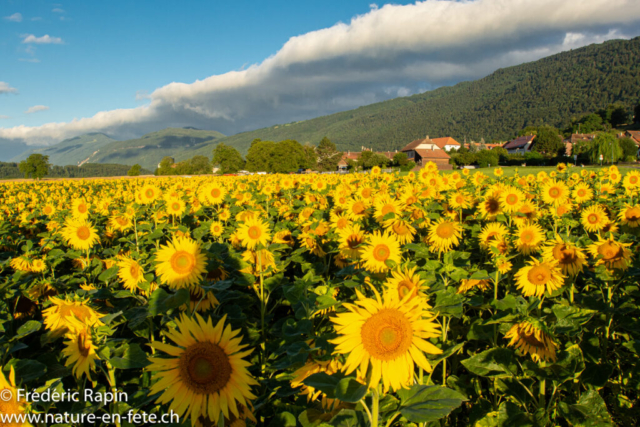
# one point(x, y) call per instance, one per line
point(357, 209)
point(176, 207)
point(80, 234)
point(212, 194)
point(80, 350)
point(459, 200)
point(614, 255)
point(180, 263)
point(594, 218)
point(444, 234)
point(530, 337)
point(406, 282)
point(149, 194)
point(511, 199)
point(49, 209)
point(131, 273)
point(120, 223)
point(385, 206)
point(351, 241)
point(569, 258)
point(385, 338)
point(529, 238)
point(467, 284)
point(206, 375)
point(582, 193)
point(380, 248)
point(492, 232)
point(254, 232)
point(539, 277)
point(401, 229)
point(80, 209)
point(630, 215)
point(555, 192)
point(58, 318)
point(216, 229)
point(9, 403)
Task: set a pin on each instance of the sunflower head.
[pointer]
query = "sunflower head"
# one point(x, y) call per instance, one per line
point(530, 337)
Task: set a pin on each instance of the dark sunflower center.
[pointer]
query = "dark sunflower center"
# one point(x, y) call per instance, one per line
point(205, 368)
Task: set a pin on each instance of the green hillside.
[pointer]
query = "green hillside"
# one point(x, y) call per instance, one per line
point(149, 149)
point(74, 151)
point(551, 90)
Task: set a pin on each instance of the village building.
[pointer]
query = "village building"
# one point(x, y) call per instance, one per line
point(520, 145)
point(633, 134)
point(447, 143)
point(426, 150)
point(574, 139)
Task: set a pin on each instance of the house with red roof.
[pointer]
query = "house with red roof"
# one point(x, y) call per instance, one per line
point(446, 143)
point(520, 145)
point(426, 150)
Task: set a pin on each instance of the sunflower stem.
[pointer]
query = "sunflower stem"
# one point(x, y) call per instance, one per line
point(375, 407)
point(111, 377)
point(135, 228)
point(445, 327)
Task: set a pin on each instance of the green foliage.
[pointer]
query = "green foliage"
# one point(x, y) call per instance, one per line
point(227, 158)
point(135, 170)
point(165, 166)
point(36, 166)
point(486, 158)
point(629, 148)
point(400, 158)
point(369, 159)
point(279, 157)
point(548, 141)
point(328, 155)
point(636, 113)
point(87, 170)
point(607, 145)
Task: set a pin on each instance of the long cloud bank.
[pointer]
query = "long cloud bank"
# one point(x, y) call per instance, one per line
point(387, 52)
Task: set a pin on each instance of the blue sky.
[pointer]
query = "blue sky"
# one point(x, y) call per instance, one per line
point(113, 49)
point(130, 67)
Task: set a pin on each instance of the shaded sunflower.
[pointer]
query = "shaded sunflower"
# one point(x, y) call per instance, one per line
point(630, 215)
point(180, 263)
point(206, 375)
point(384, 340)
point(9, 404)
point(467, 284)
point(311, 367)
point(530, 338)
point(403, 230)
point(351, 241)
point(492, 232)
point(529, 238)
point(539, 277)
point(58, 318)
point(200, 300)
point(570, 258)
point(614, 255)
point(80, 350)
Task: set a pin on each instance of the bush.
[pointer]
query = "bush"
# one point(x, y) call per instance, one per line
point(135, 170)
point(533, 158)
point(484, 158)
point(408, 166)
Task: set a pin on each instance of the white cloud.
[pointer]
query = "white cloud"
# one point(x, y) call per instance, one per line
point(6, 88)
point(16, 17)
point(57, 10)
point(46, 39)
point(36, 108)
point(4, 117)
point(389, 51)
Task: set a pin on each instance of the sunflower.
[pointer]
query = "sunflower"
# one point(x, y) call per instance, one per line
point(80, 209)
point(284, 237)
point(199, 300)
point(49, 209)
point(529, 238)
point(58, 318)
point(594, 218)
point(492, 232)
point(555, 192)
point(176, 207)
point(385, 338)
point(630, 215)
point(403, 230)
point(80, 234)
point(180, 263)
point(261, 261)
point(614, 255)
point(9, 404)
point(539, 277)
point(206, 375)
point(631, 180)
point(212, 194)
point(444, 234)
point(131, 273)
point(405, 282)
point(120, 222)
point(511, 199)
point(80, 350)
point(384, 206)
point(459, 200)
point(254, 232)
point(357, 209)
point(526, 213)
point(582, 193)
point(490, 207)
point(381, 247)
point(329, 367)
point(149, 194)
point(570, 258)
point(216, 228)
point(530, 338)
point(467, 284)
point(351, 241)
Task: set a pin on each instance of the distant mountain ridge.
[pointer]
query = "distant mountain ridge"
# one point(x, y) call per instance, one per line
point(74, 151)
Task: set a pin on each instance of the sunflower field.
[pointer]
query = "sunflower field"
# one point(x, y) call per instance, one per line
point(432, 299)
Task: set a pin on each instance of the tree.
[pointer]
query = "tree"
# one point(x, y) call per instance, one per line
point(259, 156)
point(135, 170)
point(200, 165)
point(227, 159)
point(166, 167)
point(280, 157)
point(619, 116)
point(400, 159)
point(636, 114)
point(629, 149)
point(36, 166)
point(607, 145)
point(548, 141)
point(327, 155)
